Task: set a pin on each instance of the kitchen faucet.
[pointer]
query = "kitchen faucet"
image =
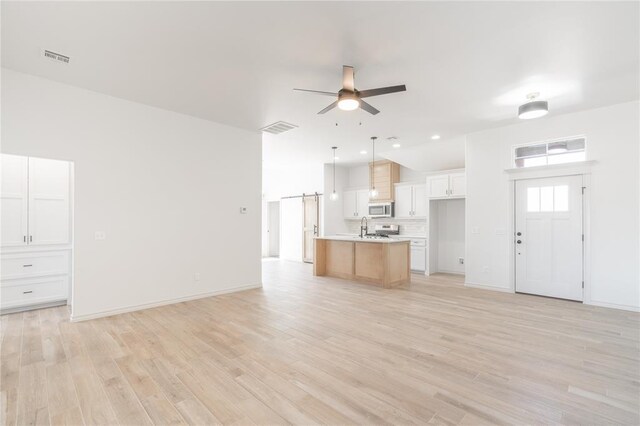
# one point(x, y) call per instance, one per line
point(364, 228)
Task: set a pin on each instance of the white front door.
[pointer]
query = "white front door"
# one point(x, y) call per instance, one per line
point(548, 240)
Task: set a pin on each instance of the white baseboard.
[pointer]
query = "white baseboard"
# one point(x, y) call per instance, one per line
point(613, 305)
point(132, 308)
point(488, 287)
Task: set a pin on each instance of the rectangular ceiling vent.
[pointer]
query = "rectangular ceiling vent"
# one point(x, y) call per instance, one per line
point(56, 57)
point(278, 127)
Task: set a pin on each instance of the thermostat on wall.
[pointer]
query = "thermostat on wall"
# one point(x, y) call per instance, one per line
point(243, 210)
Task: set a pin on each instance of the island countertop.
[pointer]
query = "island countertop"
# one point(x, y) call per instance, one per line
point(357, 239)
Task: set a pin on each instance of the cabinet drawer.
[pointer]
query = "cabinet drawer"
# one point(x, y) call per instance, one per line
point(34, 291)
point(24, 265)
point(418, 242)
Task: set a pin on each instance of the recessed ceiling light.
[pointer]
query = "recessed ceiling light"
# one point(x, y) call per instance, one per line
point(396, 145)
point(435, 137)
point(363, 152)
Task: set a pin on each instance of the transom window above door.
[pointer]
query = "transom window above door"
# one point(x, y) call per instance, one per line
point(552, 152)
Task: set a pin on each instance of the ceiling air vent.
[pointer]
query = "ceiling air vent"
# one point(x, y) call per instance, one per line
point(278, 127)
point(56, 56)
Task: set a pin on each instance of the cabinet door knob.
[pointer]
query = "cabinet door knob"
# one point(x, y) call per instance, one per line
point(27, 292)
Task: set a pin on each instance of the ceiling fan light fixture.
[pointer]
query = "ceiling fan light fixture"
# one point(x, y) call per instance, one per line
point(348, 104)
point(533, 108)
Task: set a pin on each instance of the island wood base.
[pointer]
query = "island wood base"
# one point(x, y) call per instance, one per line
point(383, 264)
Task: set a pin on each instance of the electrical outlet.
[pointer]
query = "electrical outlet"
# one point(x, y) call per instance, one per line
point(461, 260)
point(485, 269)
point(243, 210)
point(196, 276)
point(100, 235)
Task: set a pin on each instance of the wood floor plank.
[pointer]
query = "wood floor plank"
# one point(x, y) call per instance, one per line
point(319, 350)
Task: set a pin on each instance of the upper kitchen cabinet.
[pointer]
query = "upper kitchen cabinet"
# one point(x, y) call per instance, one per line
point(355, 203)
point(410, 201)
point(384, 175)
point(447, 185)
point(35, 201)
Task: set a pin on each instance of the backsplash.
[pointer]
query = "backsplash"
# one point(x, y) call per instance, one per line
point(407, 227)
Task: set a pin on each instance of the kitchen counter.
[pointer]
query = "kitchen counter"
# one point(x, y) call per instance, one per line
point(357, 238)
point(379, 261)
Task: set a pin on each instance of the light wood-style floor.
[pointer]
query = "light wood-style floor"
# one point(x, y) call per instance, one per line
point(310, 350)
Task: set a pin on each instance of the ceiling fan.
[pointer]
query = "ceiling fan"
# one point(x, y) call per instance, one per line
point(349, 98)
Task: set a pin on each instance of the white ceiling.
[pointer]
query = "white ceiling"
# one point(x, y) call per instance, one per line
point(467, 65)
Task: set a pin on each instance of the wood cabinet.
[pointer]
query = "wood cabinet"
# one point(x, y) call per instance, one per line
point(381, 263)
point(449, 185)
point(410, 201)
point(384, 175)
point(35, 237)
point(355, 203)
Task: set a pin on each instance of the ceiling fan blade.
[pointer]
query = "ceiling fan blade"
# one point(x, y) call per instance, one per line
point(382, 91)
point(318, 92)
point(365, 106)
point(348, 82)
point(329, 108)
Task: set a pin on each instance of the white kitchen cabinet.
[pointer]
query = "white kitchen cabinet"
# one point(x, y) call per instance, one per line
point(355, 203)
point(404, 201)
point(35, 201)
point(48, 202)
point(411, 201)
point(350, 204)
point(36, 231)
point(14, 200)
point(457, 184)
point(418, 259)
point(450, 185)
point(34, 291)
point(418, 254)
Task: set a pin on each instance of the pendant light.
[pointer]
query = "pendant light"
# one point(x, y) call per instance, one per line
point(533, 108)
point(374, 192)
point(334, 194)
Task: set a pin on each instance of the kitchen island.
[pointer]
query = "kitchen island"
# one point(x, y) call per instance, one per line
point(380, 261)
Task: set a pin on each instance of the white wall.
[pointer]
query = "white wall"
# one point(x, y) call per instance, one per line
point(165, 187)
point(613, 142)
point(285, 181)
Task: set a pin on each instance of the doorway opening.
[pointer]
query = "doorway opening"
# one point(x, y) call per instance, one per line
point(273, 228)
point(36, 241)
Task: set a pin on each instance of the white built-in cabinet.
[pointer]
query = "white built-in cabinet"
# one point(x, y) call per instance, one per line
point(411, 201)
point(355, 203)
point(35, 233)
point(448, 185)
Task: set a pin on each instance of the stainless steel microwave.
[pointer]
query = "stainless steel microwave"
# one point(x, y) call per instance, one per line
point(381, 210)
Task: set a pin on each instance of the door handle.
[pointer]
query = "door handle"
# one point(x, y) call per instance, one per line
point(519, 233)
point(315, 229)
point(30, 238)
point(519, 242)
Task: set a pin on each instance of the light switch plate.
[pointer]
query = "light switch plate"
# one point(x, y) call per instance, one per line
point(100, 235)
point(243, 210)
